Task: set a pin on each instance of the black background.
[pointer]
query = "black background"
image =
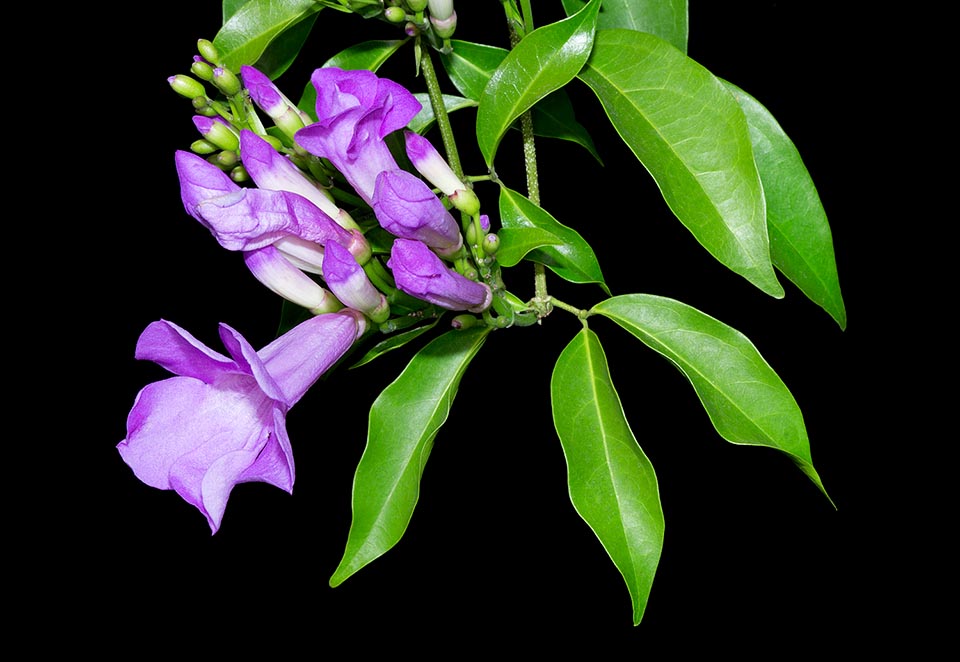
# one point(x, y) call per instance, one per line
point(754, 557)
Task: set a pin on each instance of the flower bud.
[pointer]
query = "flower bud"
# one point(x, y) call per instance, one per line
point(440, 9)
point(429, 163)
point(218, 132)
point(394, 14)
point(444, 27)
point(417, 5)
point(271, 268)
point(202, 69)
point(347, 280)
point(491, 243)
point(420, 273)
point(202, 146)
point(273, 102)
point(466, 201)
point(464, 321)
point(226, 81)
point(208, 51)
point(186, 86)
point(407, 208)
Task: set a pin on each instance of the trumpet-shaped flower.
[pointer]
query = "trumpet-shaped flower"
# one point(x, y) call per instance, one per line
point(350, 283)
point(221, 420)
point(420, 273)
point(355, 112)
point(272, 101)
point(407, 208)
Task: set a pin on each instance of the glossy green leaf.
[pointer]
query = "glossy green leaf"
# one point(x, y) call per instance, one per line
point(282, 51)
point(573, 259)
point(612, 484)
point(690, 134)
point(545, 60)
point(517, 241)
point(368, 55)
point(425, 118)
point(250, 29)
point(404, 420)
point(668, 19)
point(746, 400)
point(801, 244)
point(394, 341)
point(470, 67)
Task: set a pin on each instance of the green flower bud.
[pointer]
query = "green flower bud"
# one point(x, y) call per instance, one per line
point(444, 27)
point(465, 321)
point(227, 159)
point(186, 86)
point(203, 147)
point(202, 70)
point(466, 201)
point(417, 5)
point(491, 243)
point(441, 9)
point(239, 175)
point(226, 81)
point(208, 51)
point(394, 14)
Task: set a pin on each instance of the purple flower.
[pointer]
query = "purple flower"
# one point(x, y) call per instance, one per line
point(272, 101)
point(355, 112)
point(222, 420)
point(270, 170)
point(350, 283)
point(407, 208)
point(281, 276)
point(428, 162)
point(420, 273)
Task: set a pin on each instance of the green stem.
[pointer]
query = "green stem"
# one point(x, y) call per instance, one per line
point(440, 112)
point(582, 314)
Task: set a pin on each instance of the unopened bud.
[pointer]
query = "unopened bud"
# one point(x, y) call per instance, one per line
point(227, 159)
point(461, 322)
point(217, 132)
point(186, 86)
point(239, 175)
point(202, 146)
point(491, 243)
point(226, 81)
point(440, 9)
point(208, 51)
point(202, 70)
point(417, 5)
point(394, 14)
point(466, 201)
point(444, 27)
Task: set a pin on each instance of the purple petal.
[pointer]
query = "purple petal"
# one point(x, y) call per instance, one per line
point(349, 283)
point(420, 273)
point(270, 267)
point(299, 357)
point(175, 349)
point(200, 180)
point(407, 208)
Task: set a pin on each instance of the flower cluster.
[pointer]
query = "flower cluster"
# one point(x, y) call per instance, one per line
point(221, 420)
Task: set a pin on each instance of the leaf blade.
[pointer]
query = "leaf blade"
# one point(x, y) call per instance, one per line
point(611, 482)
point(691, 135)
point(668, 19)
point(746, 400)
point(801, 243)
point(544, 61)
point(250, 29)
point(404, 419)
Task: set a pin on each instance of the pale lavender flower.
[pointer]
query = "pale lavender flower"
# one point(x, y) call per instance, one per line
point(420, 273)
point(355, 112)
point(347, 280)
point(268, 97)
point(407, 208)
point(271, 170)
point(429, 163)
point(281, 276)
point(221, 420)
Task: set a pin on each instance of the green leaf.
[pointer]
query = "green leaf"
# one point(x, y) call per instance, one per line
point(801, 244)
point(425, 118)
point(282, 51)
point(690, 134)
point(394, 341)
point(404, 420)
point(470, 67)
point(667, 19)
point(572, 258)
point(747, 402)
point(545, 60)
point(250, 29)
point(612, 484)
point(517, 241)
